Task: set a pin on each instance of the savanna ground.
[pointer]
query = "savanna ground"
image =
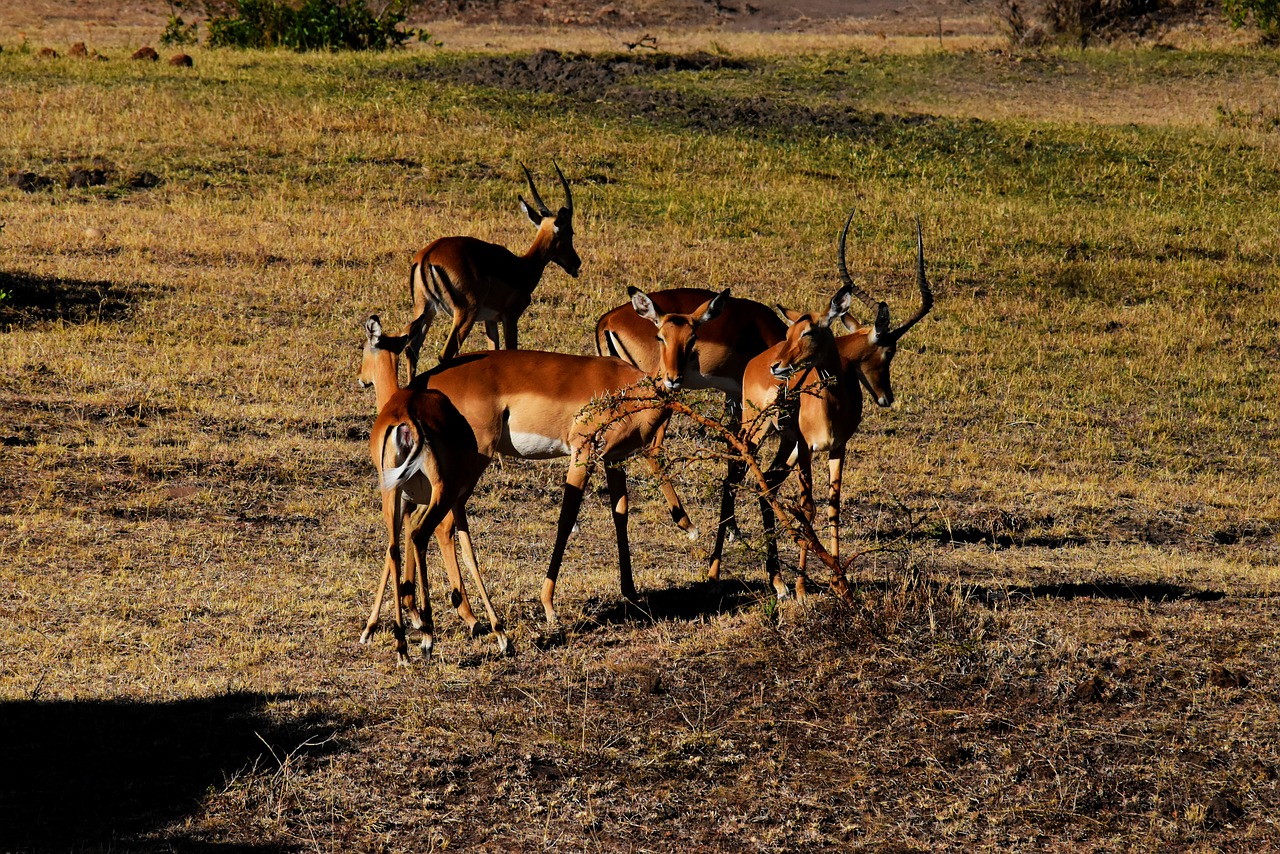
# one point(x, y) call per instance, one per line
point(1065, 631)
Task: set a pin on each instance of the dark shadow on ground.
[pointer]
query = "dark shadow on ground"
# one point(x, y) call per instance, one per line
point(96, 774)
point(1124, 591)
point(685, 602)
point(35, 299)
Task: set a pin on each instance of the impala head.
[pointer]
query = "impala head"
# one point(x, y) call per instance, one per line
point(558, 225)
point(382, 350)
point(872, 360)
point(677, 333)
point(809, 340)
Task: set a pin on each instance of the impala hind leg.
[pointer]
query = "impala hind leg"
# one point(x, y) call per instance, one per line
point(575, 484)
point(469, 558)
point(462, 323)
point(390, 572)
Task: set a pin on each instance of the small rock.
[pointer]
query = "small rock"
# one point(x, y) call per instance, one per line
point(145, 52)
point(181, 60)
point(47, 53)
point(94, 233)
point(78, 50)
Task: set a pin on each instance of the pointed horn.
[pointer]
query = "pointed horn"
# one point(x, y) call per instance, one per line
point(537, 199)
point(926, 295)
point(845, 279)
point(568, 195)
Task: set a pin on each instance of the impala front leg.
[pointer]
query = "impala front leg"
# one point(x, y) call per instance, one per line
point(575, 484)
point(774, 478)
point(616, 480)
point(653, 459)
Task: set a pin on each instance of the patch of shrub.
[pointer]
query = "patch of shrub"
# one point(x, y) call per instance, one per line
point(1264, 14)
point(1029, 23)
point(310, 25)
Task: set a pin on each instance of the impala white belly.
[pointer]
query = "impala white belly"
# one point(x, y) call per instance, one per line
point(535, 446)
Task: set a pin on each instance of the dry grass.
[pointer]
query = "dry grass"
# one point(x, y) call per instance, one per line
point(1065, 643)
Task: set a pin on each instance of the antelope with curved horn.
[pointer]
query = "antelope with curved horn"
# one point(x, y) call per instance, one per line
point(474, 280)
point(820, 377)
point(428, 465)
point(798, 390)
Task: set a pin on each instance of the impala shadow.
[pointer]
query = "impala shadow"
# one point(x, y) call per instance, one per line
point(41, 299)
point(685, 602)
point(1122, 591)
point(100, 773)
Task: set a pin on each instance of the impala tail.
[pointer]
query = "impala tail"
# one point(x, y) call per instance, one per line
point(404, 455)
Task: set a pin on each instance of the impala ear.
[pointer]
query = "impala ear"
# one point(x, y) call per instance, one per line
point(711, 309)
point(373, 329)
point(789, 316)
point(533, 215)
point(644, 306)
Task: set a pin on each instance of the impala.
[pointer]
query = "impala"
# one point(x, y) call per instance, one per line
point(428, 464)
point(472, 279)
point(536, 405)
point(818, 377)
point(703, 340)
point(798, 390)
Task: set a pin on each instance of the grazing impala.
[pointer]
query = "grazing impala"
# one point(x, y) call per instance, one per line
point(704, 340)
point(817, 377)
point(472, 280)
point(428, 464)
point(536, 405)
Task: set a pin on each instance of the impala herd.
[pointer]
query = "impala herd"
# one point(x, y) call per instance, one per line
point(434, 438)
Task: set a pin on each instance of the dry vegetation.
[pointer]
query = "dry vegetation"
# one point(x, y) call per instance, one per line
point(1064, 635)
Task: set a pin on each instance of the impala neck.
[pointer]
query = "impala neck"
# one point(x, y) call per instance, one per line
point(385, 375)
point(538, 256)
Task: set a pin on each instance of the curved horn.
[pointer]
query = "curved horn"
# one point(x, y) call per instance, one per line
point(537, 199)
point(568, 196)
point(845, 279)
point(926, 295)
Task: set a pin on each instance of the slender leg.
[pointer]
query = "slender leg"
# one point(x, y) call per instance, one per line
point(575, 483)
point(390, 572)
point(774, 477)
point(804, 469)
point(491, 332)
point(727, 525)
point(732, 420)
point(737, 469)
point(462, 323)
point(469, 558)
point(652, 456)
point(446, 539)
point(411, 572)
point(616, 480)
point(509, 332)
